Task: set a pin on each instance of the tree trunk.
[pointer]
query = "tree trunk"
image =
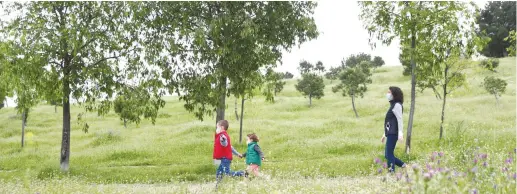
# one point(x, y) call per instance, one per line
point(496, 99)
point(65, 142)
point(23, 128)
point(413, 93)
point(242, 119)
point(55, 109)
point(310, 100)
point(25, 117)
point(222, 100)
point(443, 109)
point(125, 123)
point(236, 113)
point(353, 106)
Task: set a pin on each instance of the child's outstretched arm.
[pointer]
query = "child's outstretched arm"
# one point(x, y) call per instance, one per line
point(259, 151)
point(235, 152)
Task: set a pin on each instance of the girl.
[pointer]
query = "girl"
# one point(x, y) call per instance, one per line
point(254, 155)
point(393, 127)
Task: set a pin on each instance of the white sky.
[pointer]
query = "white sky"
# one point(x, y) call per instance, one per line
point(341, 34)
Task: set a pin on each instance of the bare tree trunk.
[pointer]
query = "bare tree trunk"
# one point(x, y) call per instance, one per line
point(23, 128)
point(446, 72)
point(353, 106)
point(65, 141)
point(236, 113)
point(496, 99)
point(242, 119)
point(413, 94)
point(125, 123)
point(222, 100)
point(55, 108)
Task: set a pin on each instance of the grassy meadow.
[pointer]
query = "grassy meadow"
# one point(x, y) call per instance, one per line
point(322, 148)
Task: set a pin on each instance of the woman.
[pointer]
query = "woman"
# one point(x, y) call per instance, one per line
point(393, 127)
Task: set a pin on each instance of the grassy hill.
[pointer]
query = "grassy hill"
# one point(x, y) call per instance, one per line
point(323, 147)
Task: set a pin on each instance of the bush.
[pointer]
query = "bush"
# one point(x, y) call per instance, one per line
point(490, 64)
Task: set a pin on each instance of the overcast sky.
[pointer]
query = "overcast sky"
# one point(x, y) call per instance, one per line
point(341, 34)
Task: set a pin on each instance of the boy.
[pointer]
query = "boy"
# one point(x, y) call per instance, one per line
point(223, 151)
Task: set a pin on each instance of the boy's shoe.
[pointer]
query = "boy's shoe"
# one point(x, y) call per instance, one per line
point(246, 174)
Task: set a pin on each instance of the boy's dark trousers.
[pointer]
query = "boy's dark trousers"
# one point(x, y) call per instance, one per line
point(224, 169)
point(391, 142)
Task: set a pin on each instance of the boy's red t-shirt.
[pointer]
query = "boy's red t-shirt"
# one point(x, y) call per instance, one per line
point(219, 150)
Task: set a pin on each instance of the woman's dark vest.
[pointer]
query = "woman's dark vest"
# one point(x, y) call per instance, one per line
point(391, 126)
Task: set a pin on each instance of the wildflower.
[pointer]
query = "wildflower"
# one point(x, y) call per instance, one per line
point(475, 161)
point(427, 176)
point(440, 154)
point(505, 169)
point(484, 156)
point(514, 176)
point(428, 166)
point(399, 176)
point(485, 164)
point(379, 171)
point(377, 161)
point(509, 161)
point(474, 170)
point(439, 162)
point(474, 191)
point(385, 165)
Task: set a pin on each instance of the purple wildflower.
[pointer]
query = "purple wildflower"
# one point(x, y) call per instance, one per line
point(474, 170)
point(514, 176)
point(439, 162)
point(505, 169)
point(399, 176)
point(379, 171)
point(377, 161)
point(428, 166)
point(485, 164)
point(415, 166)
point(427, 176)
point(484, 156)
point(475, 161)
point(509, 160)
point(440, 154)
point(385, 165)
point(474, 191)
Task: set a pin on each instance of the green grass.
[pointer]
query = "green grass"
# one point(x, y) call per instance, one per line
point(318, 148)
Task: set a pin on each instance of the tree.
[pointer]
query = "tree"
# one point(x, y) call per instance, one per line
point(320, 69)
point(226, 42)
point(79, 46)
point(495, 86)
point(354, 60)
point(245, 91)
point(273, 85)
point(333, 73)
point(377, 62)
point(411, 22)
point(353, 82)
point(490, 64)
point(496, 20)
point(133, 103)
point(311, 84)
point(511, 39)
point(288, 75)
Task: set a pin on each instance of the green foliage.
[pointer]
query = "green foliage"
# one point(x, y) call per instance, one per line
point(333, 73)
point(489, 64)
point(132, 104)
point(378, 62)
point(273, 84)
point(496, 21)
point(511, 39)
point(354, 80)
point(494, 86)
point(354, 60)
point(288, 75)
point(226, 42)
point(311, 84)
